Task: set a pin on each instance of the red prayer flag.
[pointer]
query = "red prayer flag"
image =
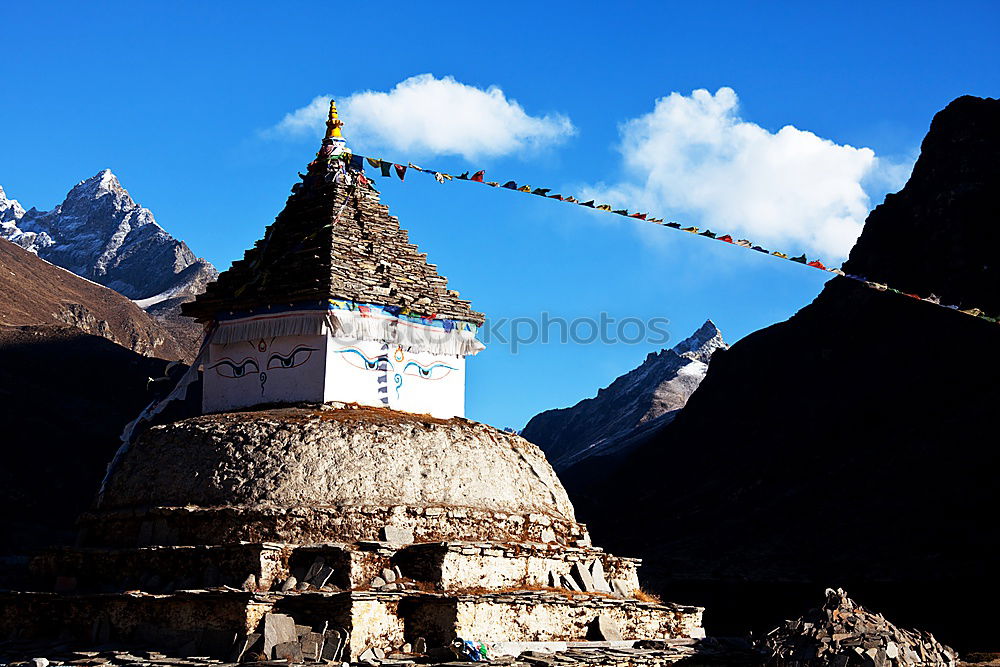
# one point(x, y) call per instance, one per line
point(478, 176)
point(725, 237)
point(400, 170)
point(816, 264)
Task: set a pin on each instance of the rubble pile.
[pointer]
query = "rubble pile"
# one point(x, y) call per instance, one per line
point(841, 633)
point(649, 653)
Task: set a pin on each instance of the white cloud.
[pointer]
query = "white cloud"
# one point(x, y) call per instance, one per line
point(694, 157)
point(424, 115)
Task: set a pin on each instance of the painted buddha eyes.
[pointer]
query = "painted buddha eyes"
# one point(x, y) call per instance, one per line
point(296, 357)
point(435, 371)
point(359, 359)
point(228, 368)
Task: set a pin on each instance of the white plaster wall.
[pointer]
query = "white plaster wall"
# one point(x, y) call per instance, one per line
point(288, 369)
point(272, 370)
point(418, 382)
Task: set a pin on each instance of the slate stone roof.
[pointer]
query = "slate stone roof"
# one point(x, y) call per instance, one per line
point(333, 240)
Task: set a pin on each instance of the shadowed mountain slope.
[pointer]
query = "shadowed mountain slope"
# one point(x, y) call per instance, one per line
point(853, 444)
point(644, 399)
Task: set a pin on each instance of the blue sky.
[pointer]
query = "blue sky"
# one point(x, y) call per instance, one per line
point(184, 102)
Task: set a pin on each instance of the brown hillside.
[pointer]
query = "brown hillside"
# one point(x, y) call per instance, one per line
point(36, 293)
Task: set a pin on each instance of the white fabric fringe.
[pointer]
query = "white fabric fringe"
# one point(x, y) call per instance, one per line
point(298, 323)
point(375, 326)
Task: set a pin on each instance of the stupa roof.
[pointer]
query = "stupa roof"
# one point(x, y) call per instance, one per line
point(333, 240)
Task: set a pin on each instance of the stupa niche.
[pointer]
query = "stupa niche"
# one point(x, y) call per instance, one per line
point(335, 304)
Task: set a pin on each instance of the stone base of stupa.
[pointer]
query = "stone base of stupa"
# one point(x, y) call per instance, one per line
point(315, 626)
point(364, 596)
point(197, 579)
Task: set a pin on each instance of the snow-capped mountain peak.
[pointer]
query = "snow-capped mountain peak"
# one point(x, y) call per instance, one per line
point(645, 398)
point(100, 233)
point(100, 184)
point(10, 209)
point(700, 345)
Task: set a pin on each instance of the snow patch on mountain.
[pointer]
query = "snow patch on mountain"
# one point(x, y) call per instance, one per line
point(100, 233)
point(642, 400)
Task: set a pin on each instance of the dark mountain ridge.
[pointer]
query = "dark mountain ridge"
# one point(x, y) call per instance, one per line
point(852, 445)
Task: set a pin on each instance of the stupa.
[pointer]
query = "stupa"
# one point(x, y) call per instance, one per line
point(335, 304)
point(332, 503)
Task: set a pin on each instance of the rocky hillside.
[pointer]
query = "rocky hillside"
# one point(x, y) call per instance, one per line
point(853, 444)
point(76, 360)
point(36, 294)
point(99, 232)
point(637, 403)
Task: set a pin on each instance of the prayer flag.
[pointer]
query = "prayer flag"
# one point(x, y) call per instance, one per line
point(400, 171)
point(541, 191)
point(510, 185)
point(605, 207)
point(374, 162)
point(478, 176)
point(524, 188)
point(385, 167)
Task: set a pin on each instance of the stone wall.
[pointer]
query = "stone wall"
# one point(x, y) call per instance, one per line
point(496, 565)
point(552, 617)
point(160, 569)
point(317, 524)
point(201, 620)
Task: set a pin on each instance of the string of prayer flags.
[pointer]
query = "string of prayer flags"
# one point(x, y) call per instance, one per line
point(357, 163)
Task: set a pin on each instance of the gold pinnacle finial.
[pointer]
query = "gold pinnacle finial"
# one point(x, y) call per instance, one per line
point(333, 123)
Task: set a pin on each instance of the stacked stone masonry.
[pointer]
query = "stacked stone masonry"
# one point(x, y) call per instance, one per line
point(333, 532)
point(333, 240)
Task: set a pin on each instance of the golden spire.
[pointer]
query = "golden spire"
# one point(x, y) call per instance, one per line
point(333, 123)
